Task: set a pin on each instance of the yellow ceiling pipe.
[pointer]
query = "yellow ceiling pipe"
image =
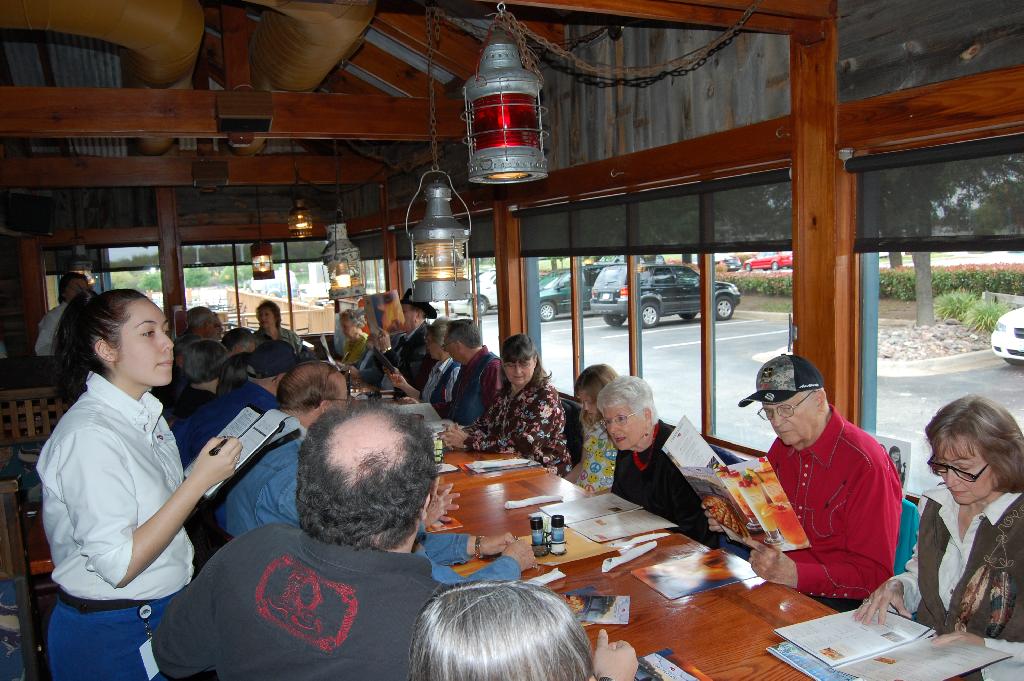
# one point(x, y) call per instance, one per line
point(161, 37)
point(299, 43)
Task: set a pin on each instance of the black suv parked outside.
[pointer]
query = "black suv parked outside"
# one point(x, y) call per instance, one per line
point(664, 290)
point(556, 291)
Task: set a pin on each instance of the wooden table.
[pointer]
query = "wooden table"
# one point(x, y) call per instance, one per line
point(721, 633)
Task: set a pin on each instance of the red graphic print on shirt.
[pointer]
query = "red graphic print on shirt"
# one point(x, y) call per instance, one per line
point(307, 606)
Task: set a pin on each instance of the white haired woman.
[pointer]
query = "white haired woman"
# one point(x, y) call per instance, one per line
point(643, 472)
point(968, 565)
point(495, 631)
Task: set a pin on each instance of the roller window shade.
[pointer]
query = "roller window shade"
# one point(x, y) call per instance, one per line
point(371, 246)
point(955, 197)
point(743, 213)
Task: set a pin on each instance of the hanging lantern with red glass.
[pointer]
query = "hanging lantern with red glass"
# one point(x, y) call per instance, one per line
point(262, 255)
point(504, 117)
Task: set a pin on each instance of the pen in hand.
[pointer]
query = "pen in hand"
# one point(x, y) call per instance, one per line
point(216, 450)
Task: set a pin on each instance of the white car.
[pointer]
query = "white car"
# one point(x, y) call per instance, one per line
point(1008, 338)
point(487, 296)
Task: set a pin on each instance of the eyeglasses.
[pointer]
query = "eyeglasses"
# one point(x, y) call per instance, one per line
point(783, 410)
point(618, 420)
point(522, 364)
point(944, 470)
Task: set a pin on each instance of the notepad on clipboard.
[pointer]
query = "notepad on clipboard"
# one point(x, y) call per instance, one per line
point(255, 429)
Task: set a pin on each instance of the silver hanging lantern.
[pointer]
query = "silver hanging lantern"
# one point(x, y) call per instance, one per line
point(439, 245)
point(503, 117)
point(344, 267)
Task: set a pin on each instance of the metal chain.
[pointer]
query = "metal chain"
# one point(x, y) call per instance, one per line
point(607, 75)
point(433, 36)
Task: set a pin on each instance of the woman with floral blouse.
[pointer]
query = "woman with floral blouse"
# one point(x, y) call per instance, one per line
point(596, 470)
point(527, 417)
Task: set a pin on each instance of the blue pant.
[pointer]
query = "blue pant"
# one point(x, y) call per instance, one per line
point(99, 646)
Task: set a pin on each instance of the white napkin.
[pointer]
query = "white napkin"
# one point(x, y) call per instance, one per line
point(624, 545)
point(446, 468)
point(547, 577)
point(629, 555)
point(533, 501)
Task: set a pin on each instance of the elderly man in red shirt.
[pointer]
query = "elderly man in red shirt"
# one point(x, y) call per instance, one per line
point(842, 484)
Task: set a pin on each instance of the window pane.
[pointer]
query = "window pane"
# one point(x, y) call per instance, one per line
point(605, 338)
point(131, 257)
point(312, 309)
point(554, 306)
point(600, 228)
point(915, 362)
point(751, 326)
point(210, 254)
point(755, 215)
point(373, 275)
point(670, 334)
point(213, 287)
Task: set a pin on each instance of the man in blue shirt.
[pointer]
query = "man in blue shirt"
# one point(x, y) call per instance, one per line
point(266, 365)
point(264, 492)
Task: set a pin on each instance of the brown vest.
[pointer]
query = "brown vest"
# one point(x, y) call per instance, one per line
point(983, 602)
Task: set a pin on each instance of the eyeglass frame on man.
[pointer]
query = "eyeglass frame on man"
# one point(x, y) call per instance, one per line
point(942, 469)
point(618, 420)
point(791, 408)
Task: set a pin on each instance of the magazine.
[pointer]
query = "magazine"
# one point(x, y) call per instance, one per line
point(657, 667)
point(590, 507)
point(898, 649)
point(384, 313)
point(594, 609)
point(799, 659)
point(255, 429)
point(694, 572)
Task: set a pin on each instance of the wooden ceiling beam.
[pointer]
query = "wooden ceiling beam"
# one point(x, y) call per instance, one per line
point(456, 51)
point(176, 171)
point(402, 76)
point(123, 112)
point(712, 13)
point(235, 33)
point(344, 83)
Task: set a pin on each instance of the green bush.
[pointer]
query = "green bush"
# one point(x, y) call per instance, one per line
point(976, 279)
point(955, 305)
point(760, 283)
point(983, 315)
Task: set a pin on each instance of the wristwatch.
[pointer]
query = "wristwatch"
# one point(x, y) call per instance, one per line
point(476, 547)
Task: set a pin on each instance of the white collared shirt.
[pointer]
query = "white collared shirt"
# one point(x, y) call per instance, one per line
point(48, 329)
point(109, 466)
point(953, 565)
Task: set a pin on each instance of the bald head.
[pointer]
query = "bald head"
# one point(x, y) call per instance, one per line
point(364, 477)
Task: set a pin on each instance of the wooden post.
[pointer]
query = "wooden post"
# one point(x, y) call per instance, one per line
point(172, 276)
point(33, 287)
point(509, 269)
point(825, 306)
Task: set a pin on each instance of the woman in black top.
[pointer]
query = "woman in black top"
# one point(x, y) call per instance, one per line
point(644, 474)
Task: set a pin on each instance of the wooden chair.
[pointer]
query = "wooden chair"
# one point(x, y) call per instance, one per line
point(14, 580)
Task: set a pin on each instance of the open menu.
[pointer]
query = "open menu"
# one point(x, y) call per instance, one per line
point(745, 498)
point(590, 507)
point(255, 429)
point(898, 649)
point(618, 525)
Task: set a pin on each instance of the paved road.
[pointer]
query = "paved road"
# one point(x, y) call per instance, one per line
point(671, 363)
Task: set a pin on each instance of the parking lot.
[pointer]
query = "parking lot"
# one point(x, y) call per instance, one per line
point(671, 361)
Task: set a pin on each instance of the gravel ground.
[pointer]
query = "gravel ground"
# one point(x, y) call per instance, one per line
point(926, 342)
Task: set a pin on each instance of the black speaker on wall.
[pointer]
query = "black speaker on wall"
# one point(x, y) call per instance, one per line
point(29, 214)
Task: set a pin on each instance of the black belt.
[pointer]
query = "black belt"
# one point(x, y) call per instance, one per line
point(87, 605)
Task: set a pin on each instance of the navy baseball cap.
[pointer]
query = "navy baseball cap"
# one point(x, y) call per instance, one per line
point(270, 359)
point(781, 377)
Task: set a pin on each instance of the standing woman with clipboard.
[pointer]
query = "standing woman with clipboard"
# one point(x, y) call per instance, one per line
point(114, 497)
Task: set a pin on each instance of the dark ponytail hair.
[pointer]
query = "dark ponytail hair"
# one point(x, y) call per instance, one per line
point(89, 317)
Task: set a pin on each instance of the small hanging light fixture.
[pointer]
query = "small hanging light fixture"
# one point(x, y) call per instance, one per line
point(439, 245)
point(438, 241)
point(261, 252)
point(344, 265)
point(503, 114)
point(300, 219)
point(81, 263)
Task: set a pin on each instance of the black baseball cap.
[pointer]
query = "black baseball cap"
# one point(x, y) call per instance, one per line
point(781, 377)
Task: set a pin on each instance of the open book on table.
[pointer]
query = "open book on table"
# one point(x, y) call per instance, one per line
point(899, 649)
point(745, 498)
point(255, 429)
